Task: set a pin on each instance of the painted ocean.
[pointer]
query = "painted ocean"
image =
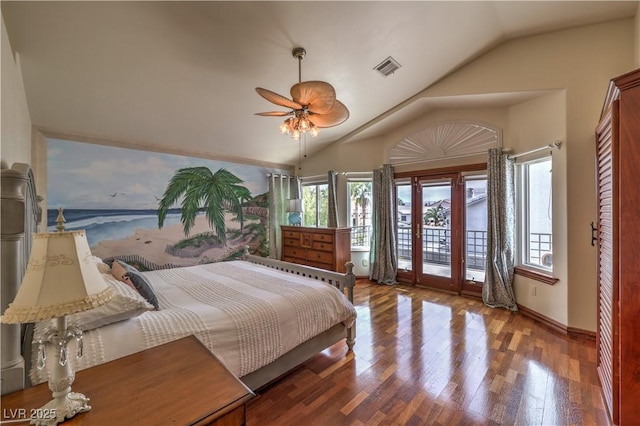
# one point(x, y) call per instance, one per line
point(113, 224)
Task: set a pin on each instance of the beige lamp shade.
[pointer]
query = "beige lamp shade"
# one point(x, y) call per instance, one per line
point(61, 279)
point(294, 205)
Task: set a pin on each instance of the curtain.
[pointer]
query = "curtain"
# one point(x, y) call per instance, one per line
point(281, 189)
point(383, 259)
point(332, 220)
point(497, 291)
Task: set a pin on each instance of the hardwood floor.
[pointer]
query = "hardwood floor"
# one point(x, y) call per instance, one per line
point(429, 358)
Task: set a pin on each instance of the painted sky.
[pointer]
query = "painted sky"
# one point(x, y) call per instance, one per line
point(89, 176)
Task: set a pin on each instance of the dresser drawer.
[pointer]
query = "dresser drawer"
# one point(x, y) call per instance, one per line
point(320, 256)
point(320, 265)
point(327, 238)
point(319, 245)
point(294, 242)
point(296, 260)
point(306, 239)
point(291, 234)
point(294, 252)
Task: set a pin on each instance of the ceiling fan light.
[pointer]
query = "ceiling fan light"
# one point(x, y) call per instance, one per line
point(310, 98)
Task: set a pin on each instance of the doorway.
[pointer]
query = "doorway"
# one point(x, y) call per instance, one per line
point(441, 234)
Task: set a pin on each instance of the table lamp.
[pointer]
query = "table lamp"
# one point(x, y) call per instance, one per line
point(61, 279)
point(294, 208)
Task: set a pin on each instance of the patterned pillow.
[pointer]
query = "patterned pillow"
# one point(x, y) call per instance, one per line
point(126, 303)
point(139, 282)
point(119, 273)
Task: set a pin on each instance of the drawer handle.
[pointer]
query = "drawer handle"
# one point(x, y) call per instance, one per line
point(318, 255)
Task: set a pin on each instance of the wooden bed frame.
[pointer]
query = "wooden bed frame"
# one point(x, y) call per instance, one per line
point(303, 352)
point(20, 217)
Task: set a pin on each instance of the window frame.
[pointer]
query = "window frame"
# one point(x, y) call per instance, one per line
point(317, 184)
point(524, 266)
point(351, 181)
point(476, 175)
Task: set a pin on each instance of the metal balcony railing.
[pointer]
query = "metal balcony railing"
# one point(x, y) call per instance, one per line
point(436, 246)
point(361, 236)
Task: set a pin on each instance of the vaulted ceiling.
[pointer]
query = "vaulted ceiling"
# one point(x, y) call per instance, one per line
point(182, 75)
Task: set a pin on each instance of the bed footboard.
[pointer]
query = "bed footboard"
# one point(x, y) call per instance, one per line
point(341, 281)
point(300, 354)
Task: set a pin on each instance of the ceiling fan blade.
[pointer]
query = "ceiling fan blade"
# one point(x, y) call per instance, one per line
point(277, 99)
point(337, 115)
point(274, 113)
point(318, 96)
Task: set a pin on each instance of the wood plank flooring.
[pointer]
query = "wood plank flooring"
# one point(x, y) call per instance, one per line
point(424, 357)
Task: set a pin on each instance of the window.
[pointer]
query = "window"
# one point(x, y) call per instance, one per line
point(360, 213)
point(534, 214)
point(475, 222)
point(315, 203)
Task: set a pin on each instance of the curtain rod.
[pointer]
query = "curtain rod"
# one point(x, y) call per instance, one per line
point(339, 173)
point(555, 144)
point(279, 175)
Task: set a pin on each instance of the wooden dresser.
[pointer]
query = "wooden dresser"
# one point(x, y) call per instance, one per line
point(325, 248)
point(178, 383)
point(618, 174)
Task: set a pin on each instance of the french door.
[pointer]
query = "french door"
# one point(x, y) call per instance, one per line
point(441, 235)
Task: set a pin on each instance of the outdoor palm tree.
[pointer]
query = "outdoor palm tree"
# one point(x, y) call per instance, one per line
point(361, 196)
point(436, 216)
point(214, 192)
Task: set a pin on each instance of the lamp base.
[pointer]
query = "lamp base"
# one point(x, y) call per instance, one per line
point(295, 219)
point(59, 409)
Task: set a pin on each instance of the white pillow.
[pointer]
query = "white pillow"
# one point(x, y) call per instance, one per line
point(102, 267)
point(126, 303)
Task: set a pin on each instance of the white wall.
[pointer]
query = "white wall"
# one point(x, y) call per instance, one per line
point(15, 125)
point(532, 124)
point(577, 62)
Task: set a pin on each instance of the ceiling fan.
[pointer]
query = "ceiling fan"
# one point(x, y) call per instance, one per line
point(314, 104)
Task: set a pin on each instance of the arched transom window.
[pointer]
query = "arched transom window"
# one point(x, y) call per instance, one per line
point(445, 140)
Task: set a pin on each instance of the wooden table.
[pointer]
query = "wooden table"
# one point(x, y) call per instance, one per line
point(178, 383)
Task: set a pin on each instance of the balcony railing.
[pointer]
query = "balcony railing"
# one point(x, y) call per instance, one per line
point(436, 246)
point(360, 236)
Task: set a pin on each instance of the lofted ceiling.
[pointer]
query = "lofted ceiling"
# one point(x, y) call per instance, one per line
point(182, 75)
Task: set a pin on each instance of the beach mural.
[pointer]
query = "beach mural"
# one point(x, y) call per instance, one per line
point(157, 210)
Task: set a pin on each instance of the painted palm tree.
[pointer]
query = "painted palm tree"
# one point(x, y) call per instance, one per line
point(200, 188)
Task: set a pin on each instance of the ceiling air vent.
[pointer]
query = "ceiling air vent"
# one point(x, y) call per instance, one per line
point(387, 67)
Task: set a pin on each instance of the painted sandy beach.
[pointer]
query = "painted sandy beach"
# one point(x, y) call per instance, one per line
point(150, 244)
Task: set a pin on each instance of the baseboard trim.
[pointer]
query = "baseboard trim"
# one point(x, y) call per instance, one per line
point(555, 325)
point(581, 334)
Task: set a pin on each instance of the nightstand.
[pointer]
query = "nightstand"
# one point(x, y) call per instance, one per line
point(178, 383)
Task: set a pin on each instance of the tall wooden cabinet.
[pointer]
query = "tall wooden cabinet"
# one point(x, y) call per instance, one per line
point(325, 248)
point(618, 182)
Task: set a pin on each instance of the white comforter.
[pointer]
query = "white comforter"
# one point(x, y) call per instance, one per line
point(246, 314)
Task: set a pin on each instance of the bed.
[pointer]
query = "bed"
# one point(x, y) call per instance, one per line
point(261, 317)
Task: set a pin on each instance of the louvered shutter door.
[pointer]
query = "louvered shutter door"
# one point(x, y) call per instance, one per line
point(607, 336)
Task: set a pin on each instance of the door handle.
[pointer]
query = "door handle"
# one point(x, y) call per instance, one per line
point(594, 234)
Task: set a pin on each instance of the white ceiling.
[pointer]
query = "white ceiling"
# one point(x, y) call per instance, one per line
point(181, 75)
